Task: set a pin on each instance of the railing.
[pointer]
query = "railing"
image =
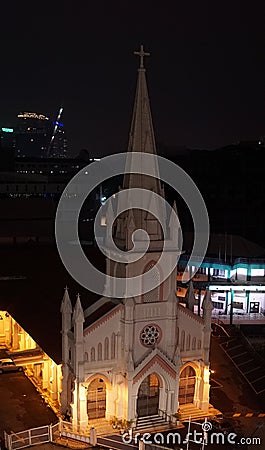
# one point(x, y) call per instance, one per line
point(215, 319)
point(164, 415)
point(44, 434)
point(220, 324)
point(249, 260)
point(159, 447)
point(242, 317)
point(206, 259)
point(27, 438)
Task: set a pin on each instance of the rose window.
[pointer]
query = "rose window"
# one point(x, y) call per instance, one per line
point(150, 335)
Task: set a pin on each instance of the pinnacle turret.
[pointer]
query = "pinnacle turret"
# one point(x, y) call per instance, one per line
point(190, 296)
point(66, 305)
point(78, 315)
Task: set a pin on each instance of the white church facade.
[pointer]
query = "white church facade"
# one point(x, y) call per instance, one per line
point(139, 356)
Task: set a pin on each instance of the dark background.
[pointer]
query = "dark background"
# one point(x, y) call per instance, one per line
point(206, 71)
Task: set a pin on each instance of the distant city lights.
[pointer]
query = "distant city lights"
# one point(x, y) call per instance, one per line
point(7, 130)
point(32, 115)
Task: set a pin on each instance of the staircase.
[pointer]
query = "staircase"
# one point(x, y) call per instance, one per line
point(246, 360)
point(152, 423)
point(102, 427)
point(190, 411)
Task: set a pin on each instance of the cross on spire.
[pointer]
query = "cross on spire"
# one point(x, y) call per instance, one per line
point(142, 54)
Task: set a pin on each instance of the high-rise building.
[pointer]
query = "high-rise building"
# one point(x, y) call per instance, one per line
point(58, 144)
point(32, 134)
point(7, 137)
point(37, 136)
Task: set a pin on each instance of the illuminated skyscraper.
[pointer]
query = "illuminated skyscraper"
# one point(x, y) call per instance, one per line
point(32, 134)
point(7, 137)
point(37, 136)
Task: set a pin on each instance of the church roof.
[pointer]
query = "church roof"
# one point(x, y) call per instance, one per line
point(98, 312)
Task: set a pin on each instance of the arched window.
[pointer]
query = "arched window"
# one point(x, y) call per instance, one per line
point(182, 342)
point(194, 343)
point(100, 352)
point(188, 342)
point(154, 294)
point(93, 354)
point(106, 348)
point(85, 356)
point(113, 346)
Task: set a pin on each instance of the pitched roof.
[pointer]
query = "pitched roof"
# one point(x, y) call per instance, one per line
point(35, 301)
point(99, 312)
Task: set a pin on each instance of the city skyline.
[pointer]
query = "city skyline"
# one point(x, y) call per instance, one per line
point(205, 72)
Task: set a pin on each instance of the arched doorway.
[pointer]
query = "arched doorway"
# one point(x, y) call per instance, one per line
point(96, 399)
point(187, 381)
point(148, 396)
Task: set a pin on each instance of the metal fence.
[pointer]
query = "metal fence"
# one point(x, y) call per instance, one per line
point(42, 435)
point(27, 438)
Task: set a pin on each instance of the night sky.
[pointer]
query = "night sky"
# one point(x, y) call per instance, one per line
point(206, 73)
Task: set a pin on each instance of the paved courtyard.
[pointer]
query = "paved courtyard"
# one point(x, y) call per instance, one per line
point(21, 407)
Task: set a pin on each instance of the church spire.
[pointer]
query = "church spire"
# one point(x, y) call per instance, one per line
point(141, 137)
point(141, 140)
point(66, 305)
point(78, 315)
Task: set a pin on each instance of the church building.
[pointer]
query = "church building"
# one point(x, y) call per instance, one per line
point(144, 356)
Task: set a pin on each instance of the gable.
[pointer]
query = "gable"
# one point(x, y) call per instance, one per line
point(156, 360)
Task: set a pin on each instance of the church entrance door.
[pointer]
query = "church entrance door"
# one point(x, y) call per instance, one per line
point(96, 399)
point(148, 396)
point(187, 385)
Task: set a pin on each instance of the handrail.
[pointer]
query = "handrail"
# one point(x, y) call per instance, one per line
point(164, 415)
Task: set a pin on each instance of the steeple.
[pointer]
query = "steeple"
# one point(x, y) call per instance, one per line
point(141, 137)
point(141, 140)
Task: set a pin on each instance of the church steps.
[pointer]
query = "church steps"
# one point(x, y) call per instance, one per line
point(151, 423)
point(102, 426)
point(191, 411)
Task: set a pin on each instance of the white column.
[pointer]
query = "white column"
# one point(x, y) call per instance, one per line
point(64, 393)
point(74, 406)
point(83, 419)
point(205, 389)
